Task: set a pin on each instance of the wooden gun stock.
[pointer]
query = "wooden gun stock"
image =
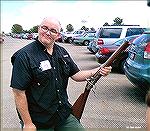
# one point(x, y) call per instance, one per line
point(78, 107)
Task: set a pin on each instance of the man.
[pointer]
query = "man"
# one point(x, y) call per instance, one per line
point(148, 111)
point(39, 81)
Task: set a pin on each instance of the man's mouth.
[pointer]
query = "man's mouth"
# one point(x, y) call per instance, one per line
point(48, 37)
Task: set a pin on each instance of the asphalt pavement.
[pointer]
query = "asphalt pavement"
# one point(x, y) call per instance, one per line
point(113, 104)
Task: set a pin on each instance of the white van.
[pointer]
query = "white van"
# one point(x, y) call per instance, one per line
point(110, 34)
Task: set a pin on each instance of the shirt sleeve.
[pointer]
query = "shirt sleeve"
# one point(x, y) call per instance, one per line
point(73, 67)
point(21, 73)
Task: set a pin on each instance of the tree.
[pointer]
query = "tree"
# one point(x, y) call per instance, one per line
point(25, 31)
point(34, 29)
point(106, 24)
point(84, 28)
point(16, 28)
point(69, 28)
point(118, 21)
point(92, 29)
point(61, 30)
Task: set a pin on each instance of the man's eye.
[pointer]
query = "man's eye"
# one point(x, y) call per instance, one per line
point(44, 27)
point(54, 31)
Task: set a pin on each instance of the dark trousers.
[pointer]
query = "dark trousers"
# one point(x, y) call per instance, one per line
point(70, 124)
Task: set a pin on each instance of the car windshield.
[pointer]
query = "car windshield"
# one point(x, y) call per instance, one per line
point(110, 32)
point(89, 35)
point(78, 32)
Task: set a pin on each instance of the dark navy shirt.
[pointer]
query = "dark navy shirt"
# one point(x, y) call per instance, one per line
point(44, 78)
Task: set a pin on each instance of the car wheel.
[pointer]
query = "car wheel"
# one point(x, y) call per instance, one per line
point(121, 66)
point(86, 43)
point(70, 40)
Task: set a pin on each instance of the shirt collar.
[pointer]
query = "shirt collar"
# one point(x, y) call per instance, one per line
point(40, 45)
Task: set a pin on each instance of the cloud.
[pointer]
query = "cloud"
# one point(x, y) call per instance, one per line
point(96, 13)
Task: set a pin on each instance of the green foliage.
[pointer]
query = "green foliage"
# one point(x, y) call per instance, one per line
point(34, 29)
point(84, 28)
point(92, 29)
point(16, 28)
point(69, 28)
point(106, 24)
point(118, 21)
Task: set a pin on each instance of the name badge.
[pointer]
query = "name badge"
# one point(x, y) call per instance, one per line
point(45, 65)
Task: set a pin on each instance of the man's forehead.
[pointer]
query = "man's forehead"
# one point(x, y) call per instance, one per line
point(50, 20)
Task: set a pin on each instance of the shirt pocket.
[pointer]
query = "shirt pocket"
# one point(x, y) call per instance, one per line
point(41, 78)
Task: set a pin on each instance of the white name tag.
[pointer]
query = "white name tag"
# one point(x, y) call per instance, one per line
point(45, 65)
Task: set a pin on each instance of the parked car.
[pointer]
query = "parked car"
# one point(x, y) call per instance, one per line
point(109, 34)
point(68, 37)
point(35, 35)
point(30, 36)
point(1, 38)
point(25, 36)
point(106, 51)
point(137, 65)
point(84, 39)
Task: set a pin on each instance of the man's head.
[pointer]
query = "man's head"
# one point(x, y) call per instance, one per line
point(49, 31)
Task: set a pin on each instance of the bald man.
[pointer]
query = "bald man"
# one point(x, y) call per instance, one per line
point(39, 81)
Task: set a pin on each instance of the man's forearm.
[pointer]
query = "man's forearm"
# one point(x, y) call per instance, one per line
point(22, 106)
point(84, 74)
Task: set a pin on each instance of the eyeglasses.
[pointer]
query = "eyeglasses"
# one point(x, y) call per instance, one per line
point(46, 29)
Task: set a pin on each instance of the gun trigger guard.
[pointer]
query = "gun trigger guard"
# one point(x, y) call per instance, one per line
point(89, 81)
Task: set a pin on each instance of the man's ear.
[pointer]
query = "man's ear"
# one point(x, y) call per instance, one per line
point(58, 35)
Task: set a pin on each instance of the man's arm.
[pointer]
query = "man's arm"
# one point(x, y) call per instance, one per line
point(83, 75)
point(22, 106)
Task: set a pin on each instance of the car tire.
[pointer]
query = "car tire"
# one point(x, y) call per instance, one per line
point(70, 40)
point(121, 66)
point(86, 43)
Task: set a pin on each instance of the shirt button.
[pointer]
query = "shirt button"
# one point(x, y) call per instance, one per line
point(59, 102)
point(56, 79)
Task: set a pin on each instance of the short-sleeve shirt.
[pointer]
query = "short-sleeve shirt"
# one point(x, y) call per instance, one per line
point(44, 78)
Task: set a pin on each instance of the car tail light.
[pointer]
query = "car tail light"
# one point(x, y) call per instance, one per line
point(147, 51)
point(100, 42)
point(104, 51)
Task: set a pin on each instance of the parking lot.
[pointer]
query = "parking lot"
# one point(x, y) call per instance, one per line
point(113, 103)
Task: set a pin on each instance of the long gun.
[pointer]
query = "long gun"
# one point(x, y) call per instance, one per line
point(78, 106)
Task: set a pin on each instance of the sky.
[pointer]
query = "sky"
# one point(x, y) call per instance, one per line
point(78, 13)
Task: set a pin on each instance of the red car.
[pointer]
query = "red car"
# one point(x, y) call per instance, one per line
point(105, 51)
point(29, 36)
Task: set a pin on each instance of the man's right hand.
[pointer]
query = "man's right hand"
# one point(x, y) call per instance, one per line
point(29, 127)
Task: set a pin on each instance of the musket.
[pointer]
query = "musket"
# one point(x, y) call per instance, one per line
point(78, 106)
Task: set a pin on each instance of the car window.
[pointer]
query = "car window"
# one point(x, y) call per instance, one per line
point(143, 39)
point(134, 31)
point(90, 35)
point(110, 33)
point(119, 42)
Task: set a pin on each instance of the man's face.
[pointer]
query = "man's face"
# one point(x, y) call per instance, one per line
point(48, 32)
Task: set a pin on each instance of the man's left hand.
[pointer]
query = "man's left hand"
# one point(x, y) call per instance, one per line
point(104, 71)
